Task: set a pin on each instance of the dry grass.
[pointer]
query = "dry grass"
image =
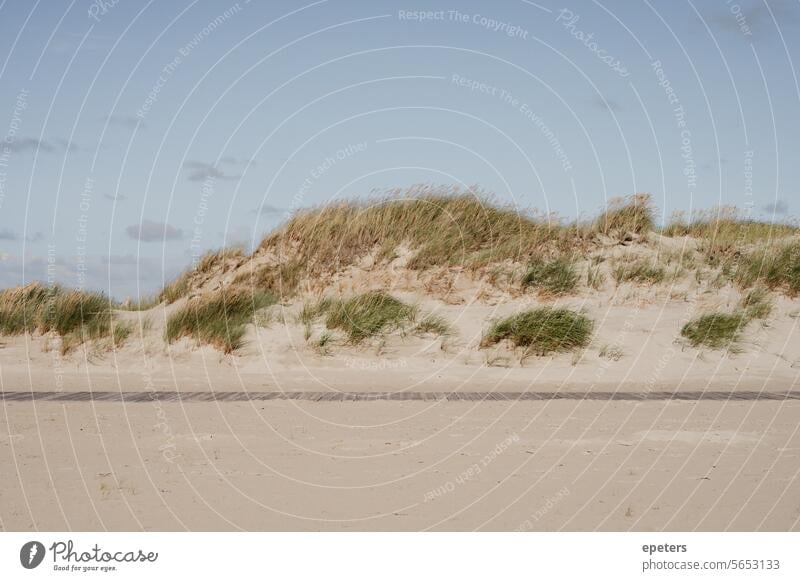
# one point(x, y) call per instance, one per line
point(443, 227)
point(542, 331)
point(727, 227)
point(217, 319)
point(223, 260)
point(282, 280)
point(627, 215)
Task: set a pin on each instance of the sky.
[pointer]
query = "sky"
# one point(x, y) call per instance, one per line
point(135, 135)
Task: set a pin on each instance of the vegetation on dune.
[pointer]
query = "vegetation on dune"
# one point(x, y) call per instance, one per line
point(551, 277)
point(217, 319)
point(282, 280)
point(627, 215)
point(776, 267)
point(437, 227)
point(441, 227)
point(726, 227)
point(723, 330)
point(223, 259)
point(175, 290)
point(366, 315)
point(433, 325)
point(715, 330)
point(75, 316)
point(542, 331)
point(757, 303)
point(638, 271)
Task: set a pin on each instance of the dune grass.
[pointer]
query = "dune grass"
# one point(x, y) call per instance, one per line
point(442, 227)
point(777, 267)
point(367, 315)
point(715, 330)
point(719, 330)
point(223, 259)
point(638, 271)
point(282, 280)
point(175, 290)
point(727, 226)
point(542, 331)
point(757, 303)
point(627, 215)
point(218, 319)
point(76, 316)
point(551, 277)
point(434, 325)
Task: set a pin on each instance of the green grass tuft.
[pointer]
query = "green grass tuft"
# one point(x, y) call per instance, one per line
point(76, 316)
point(554, 277)
point(434, 325)
point(362, 316)
point(715, 330)
point(542, 331)
point(777, 268)
point(218, 319)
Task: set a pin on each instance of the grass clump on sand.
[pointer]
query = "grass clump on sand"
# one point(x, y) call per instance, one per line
point(554, 277)
point(639, 271)
point(542, 331)
point(627, 215)
point(433, 325)
point(281, 280)
point(217, 319)
point(777, 268)
point(715, 330)
point(76, 316)
point(22, 308)
point(441, 226)
point(757, 304)
point(723, 330)
point(369, 314)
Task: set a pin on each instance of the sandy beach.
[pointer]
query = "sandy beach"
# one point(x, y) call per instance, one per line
point(401, 466)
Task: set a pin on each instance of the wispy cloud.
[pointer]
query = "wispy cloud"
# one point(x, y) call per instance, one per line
point(200, 171)
point(33, 144)
point(151, 231)
point(752, 19)
point(6, 234)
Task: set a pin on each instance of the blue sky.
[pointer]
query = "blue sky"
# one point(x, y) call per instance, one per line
point(137, 135)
